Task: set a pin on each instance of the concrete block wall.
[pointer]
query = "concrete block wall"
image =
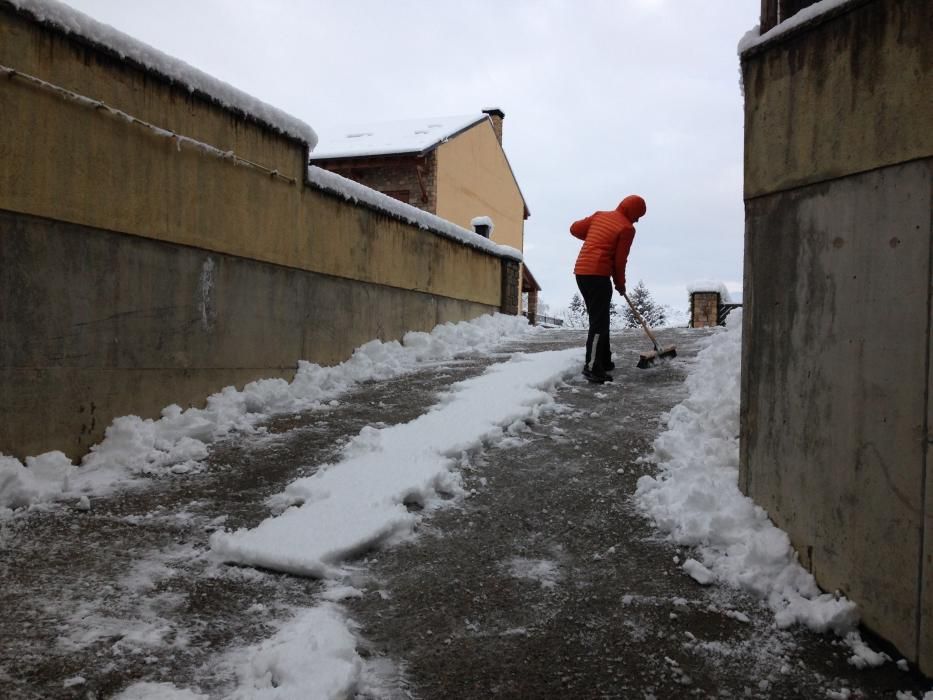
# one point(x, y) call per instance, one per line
point(836, 381)
point(136, 271)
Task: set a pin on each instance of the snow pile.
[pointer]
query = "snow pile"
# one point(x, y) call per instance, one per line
point(483, 221)
point(176, 442)
point(348, 507)
point(695, 498)
point(753, 37)
point(71, 21)
point(710, 286)
point(355, 192)
point(312, 656)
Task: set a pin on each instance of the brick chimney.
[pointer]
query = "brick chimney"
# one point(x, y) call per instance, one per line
point(497, 115)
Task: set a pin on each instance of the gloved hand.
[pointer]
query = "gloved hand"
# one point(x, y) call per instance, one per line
point(621, 289)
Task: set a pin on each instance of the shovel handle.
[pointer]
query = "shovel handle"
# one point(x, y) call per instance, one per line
point(643, 324)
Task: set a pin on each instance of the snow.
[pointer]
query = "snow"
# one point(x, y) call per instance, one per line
point(312, 656)
point(695, 497)
point(175, 443)
point(348, 507)
point(710, 286)
point(542, 571)
point(395, 137)
point(73, 22)
point(698, 572)
point(753, 37)
point(355, 192)
point(483, 221)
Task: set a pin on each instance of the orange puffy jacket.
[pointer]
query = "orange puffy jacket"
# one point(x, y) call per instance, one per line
point(607, 238)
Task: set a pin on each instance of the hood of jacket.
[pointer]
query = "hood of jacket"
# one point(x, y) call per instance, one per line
point(632, 207)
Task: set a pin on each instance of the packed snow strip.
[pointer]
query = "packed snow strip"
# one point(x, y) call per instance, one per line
point(312, 656)
point(355, 192)
point(349, 506)
point(754, 37)
point(175, 443)
point(695, 498)
point(71, 21)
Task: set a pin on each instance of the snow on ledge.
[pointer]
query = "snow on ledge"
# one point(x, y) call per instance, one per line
point(71, 21)
point(753, 37)
point(710, 286)
point(355, 192)
point(482, 221)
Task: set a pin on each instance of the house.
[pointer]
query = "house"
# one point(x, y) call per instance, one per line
point(836, 402)
point(454, 167)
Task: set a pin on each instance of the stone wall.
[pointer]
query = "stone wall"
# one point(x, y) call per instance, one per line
point(416, 176)
point(836, 383)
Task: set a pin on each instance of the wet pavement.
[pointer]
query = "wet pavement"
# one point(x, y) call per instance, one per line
point(543, 583)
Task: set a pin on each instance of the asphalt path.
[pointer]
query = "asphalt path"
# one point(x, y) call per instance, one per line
point(544, 582)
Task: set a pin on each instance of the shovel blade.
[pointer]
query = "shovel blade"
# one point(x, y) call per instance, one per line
point(649, 359)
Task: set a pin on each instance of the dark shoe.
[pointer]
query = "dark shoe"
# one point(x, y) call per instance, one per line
point(596, 376)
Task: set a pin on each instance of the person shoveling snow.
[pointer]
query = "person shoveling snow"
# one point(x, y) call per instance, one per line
point(607, 238)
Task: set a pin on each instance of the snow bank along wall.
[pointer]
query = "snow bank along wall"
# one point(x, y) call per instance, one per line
point(138, 271)
point(836, 388)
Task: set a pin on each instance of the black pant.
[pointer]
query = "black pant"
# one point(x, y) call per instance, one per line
point(597, 295)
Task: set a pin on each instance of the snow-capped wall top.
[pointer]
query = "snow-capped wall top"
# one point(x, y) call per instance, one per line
point(406, 136)
point(753, 37)
point(355, 192)
point(710, 286)
point(482, 221)
point(71, 21)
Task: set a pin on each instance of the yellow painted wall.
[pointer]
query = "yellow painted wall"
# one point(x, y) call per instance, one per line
point(69, 63)
point(62, 160)
point(474, 179)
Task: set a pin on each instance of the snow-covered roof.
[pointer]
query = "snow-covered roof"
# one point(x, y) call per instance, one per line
point(71, 21)
point(395, 137)
point(355, 192)
point(753, 37)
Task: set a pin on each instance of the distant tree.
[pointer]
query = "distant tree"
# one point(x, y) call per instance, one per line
point(616, 320)
point(653, 313)
point(575, 315)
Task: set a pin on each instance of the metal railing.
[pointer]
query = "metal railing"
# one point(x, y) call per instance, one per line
point(540, 318)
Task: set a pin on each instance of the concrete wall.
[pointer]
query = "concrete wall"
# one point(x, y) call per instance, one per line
point(109, 231)
point(836, 379)
point(474, 179)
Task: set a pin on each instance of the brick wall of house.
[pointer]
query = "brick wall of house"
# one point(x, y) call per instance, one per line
point(511, 287)
point(395, 176)
point(704, 309)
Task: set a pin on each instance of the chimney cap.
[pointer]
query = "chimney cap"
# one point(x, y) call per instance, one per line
point(494, 112)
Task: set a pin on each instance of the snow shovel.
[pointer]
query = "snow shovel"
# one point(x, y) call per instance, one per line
point(647, 359)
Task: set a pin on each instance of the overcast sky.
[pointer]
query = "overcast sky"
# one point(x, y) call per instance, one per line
point(602, 99)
